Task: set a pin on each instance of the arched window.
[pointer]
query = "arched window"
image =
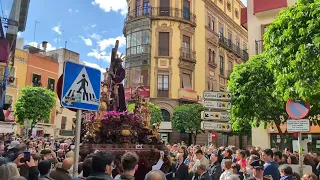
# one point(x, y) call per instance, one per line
point(165, 115)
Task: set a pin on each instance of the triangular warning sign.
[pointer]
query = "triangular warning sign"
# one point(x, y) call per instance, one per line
point(81, 90)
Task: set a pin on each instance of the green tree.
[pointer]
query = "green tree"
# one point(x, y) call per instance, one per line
point(292, 44)
point(188, 118)
point(156, 116)
point(240, 128)
point(252, 86)
point(253, 102)
point(34, 104)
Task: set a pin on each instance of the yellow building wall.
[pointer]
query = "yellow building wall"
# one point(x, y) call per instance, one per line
point(200, 47)
point(221, 4)
point(236, 6)
point(175, 54)
point(20, 65)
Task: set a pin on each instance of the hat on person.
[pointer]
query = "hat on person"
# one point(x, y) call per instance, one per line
point(13, 144)
point(257, 164)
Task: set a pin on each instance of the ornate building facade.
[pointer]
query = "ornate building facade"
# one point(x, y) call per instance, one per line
point(177, 49)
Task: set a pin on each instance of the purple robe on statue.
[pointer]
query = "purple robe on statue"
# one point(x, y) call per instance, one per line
point(119, 77)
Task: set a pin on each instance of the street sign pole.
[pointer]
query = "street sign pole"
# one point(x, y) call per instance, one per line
point(77, 143)
point(298, 109)
point(300, 154)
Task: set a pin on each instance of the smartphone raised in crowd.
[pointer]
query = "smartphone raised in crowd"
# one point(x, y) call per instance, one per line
point(26, 155)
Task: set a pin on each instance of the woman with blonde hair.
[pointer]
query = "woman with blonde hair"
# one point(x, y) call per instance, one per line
point(227, 169)
point(9, 170)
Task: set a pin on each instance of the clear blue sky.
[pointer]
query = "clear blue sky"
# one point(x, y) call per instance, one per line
point(90, 27)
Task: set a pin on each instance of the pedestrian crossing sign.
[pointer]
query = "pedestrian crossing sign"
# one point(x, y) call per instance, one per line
point(81, 87)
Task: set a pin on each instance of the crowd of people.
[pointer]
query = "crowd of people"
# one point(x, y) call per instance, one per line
point(47, 159)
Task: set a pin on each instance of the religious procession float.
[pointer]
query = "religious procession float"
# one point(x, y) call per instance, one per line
point(116, 130)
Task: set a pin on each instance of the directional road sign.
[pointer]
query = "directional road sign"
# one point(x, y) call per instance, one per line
point(216, 95)
point(217, 105)
point(297, 109)
point(81, 87)
point(209, 115)
point(298, 125)
point(216, 126)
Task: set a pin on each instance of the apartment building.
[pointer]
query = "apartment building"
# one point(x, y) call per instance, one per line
point(178, 49)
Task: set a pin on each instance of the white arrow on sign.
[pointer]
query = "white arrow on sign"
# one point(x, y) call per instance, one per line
point(209, 115)
point(216, 95)
point(217, 105)
point(216, 126)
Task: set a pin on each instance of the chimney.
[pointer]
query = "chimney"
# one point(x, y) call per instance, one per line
point(44, 46)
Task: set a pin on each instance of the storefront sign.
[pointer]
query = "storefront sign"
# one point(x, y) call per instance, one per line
point(299, 125)
point(143, 92)
point(188, 94)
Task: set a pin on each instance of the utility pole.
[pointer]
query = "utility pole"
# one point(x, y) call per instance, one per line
point(35, 29)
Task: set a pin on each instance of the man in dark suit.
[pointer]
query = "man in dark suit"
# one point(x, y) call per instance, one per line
point(203, 173)
point(179, 170)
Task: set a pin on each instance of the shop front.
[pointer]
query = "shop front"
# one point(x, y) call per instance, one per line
point(310, 140)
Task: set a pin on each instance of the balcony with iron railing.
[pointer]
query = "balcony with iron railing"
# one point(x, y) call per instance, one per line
point(259, 46)
point(183, 15)
point(188, 54)
point(227, 43)
point(164, 93)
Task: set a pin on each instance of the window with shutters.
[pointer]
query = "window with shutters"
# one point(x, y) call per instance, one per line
point(186, 10)
point(51, 84)
point(186, 47)
point(36, 80)
point(63, 122)
point(163, 85)
point(221, 31)
point(229, 6)
point(238, 45)
point(213, 56)
point(163, 44)
point(138, 8)
point(245, 46)
point(212, 24)
point(186, 81)
point(221, 65)
point(164, 8)
point(209, 55)
point(229, 39)
point(209, 21)
point(146, 7)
